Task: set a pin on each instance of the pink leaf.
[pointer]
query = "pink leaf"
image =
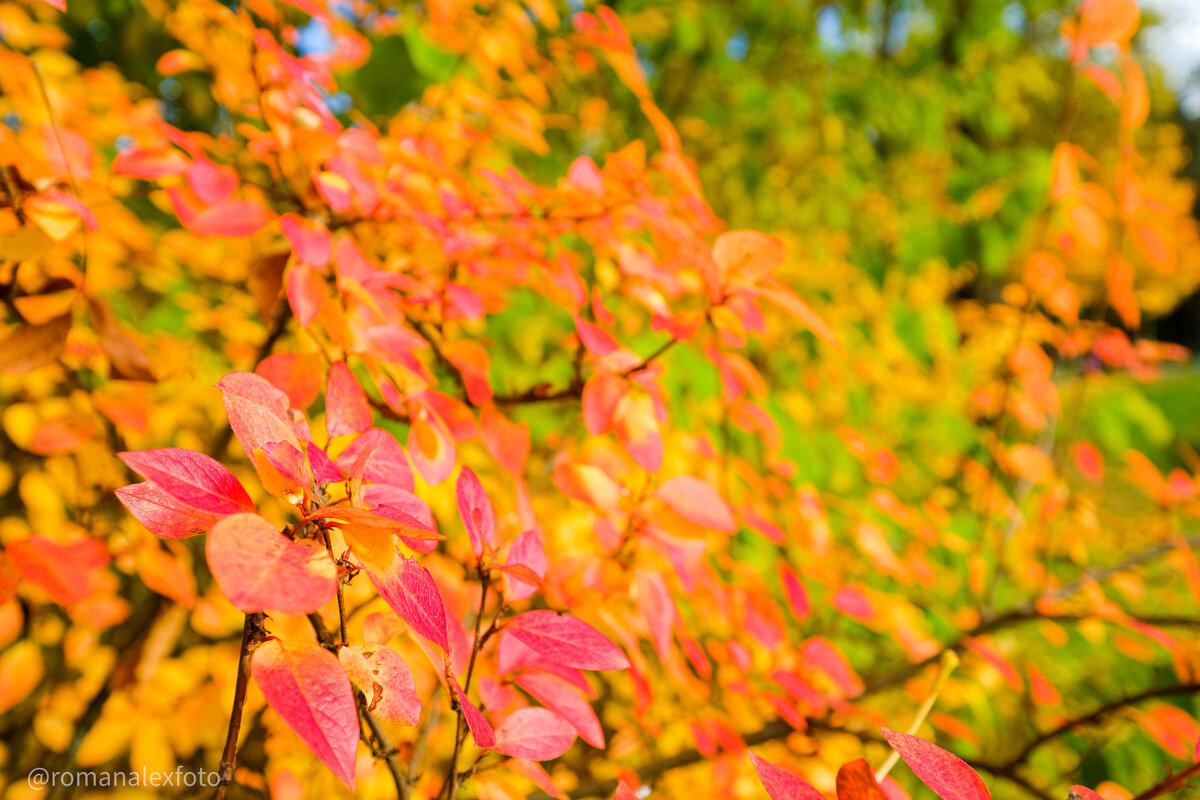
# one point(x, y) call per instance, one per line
point(305, 292)
point(257, 411)
point(307, 688)
point(476, 511)
point(192, 478)
point(310, 240)
point(534, 733)
point(698, 503)
point(297, 375)
point(323, 469)
point(795, 592)
point(566, 640)
point(598, 341)
point(346, 406)
point(384, 463)
point(162, 514)
point(148, 164)
point(945, 773)
point(566, 701)
point(410, 591)
point(259, 568)
point(385, 681)
point(230, 218)
point(211, 183)
point(1083, 793)
point(657, 608)
point(431, 446)
point(481, 729)
point(782, 784)
point(528, 551)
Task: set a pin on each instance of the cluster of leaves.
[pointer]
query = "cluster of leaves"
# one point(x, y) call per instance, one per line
point(507, 363)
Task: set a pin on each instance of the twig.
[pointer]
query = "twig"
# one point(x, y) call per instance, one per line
point(574, 390)
point(451, 783)
point(1094, 716)
point(1171, 783)
point(252, 636)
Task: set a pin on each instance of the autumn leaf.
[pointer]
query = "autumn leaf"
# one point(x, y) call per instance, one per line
point(948, 775)
point(534, 733)
point(306, 687)
point(191, 478)
point(566, 640)
point(258, 568)
point(781, 784)
point(385, 681)
point(856, 781)
point(162, 514)
point(31, 346)
point(698, 503)
point(481, 730)
point(410, 591)
point(476, 511)
point(346, 407)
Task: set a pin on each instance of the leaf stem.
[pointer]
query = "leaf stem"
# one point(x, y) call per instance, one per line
point(948, 664)
point(252, 637)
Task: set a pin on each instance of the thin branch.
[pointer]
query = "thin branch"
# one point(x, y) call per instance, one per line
point(1171, 783)
point(574, 390)
point(252, 637)
point(453, 778)
point(1094, 716)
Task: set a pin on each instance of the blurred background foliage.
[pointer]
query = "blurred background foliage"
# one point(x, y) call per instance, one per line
point(903, 150)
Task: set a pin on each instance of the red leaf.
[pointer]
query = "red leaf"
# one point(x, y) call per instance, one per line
point(259, 568)
point(1083, 793)
point(346, 406)
point(385, 680)
point(307, 688)
point(566, 640)
point(476, 511)
point(698, 503)
point(310, 240)
point(149, 164)
point(211, 183)
point(565, 701)
point(63, 571)
point(748, 255)
point(782, 784)
point(856, 781)
point(296, 374)
point(230, 218)
point(527, 551)
point(305, 292)
point(534, 733)
point(507, 442)
point(192, 478)
point(945, 773)
point(162, 514)
point(481, 729)
point(430, 446)
point(410, 591)
point(598, 341)
point(385, 461)
point(795, 592)
point(257, 411)
point(657, 608)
